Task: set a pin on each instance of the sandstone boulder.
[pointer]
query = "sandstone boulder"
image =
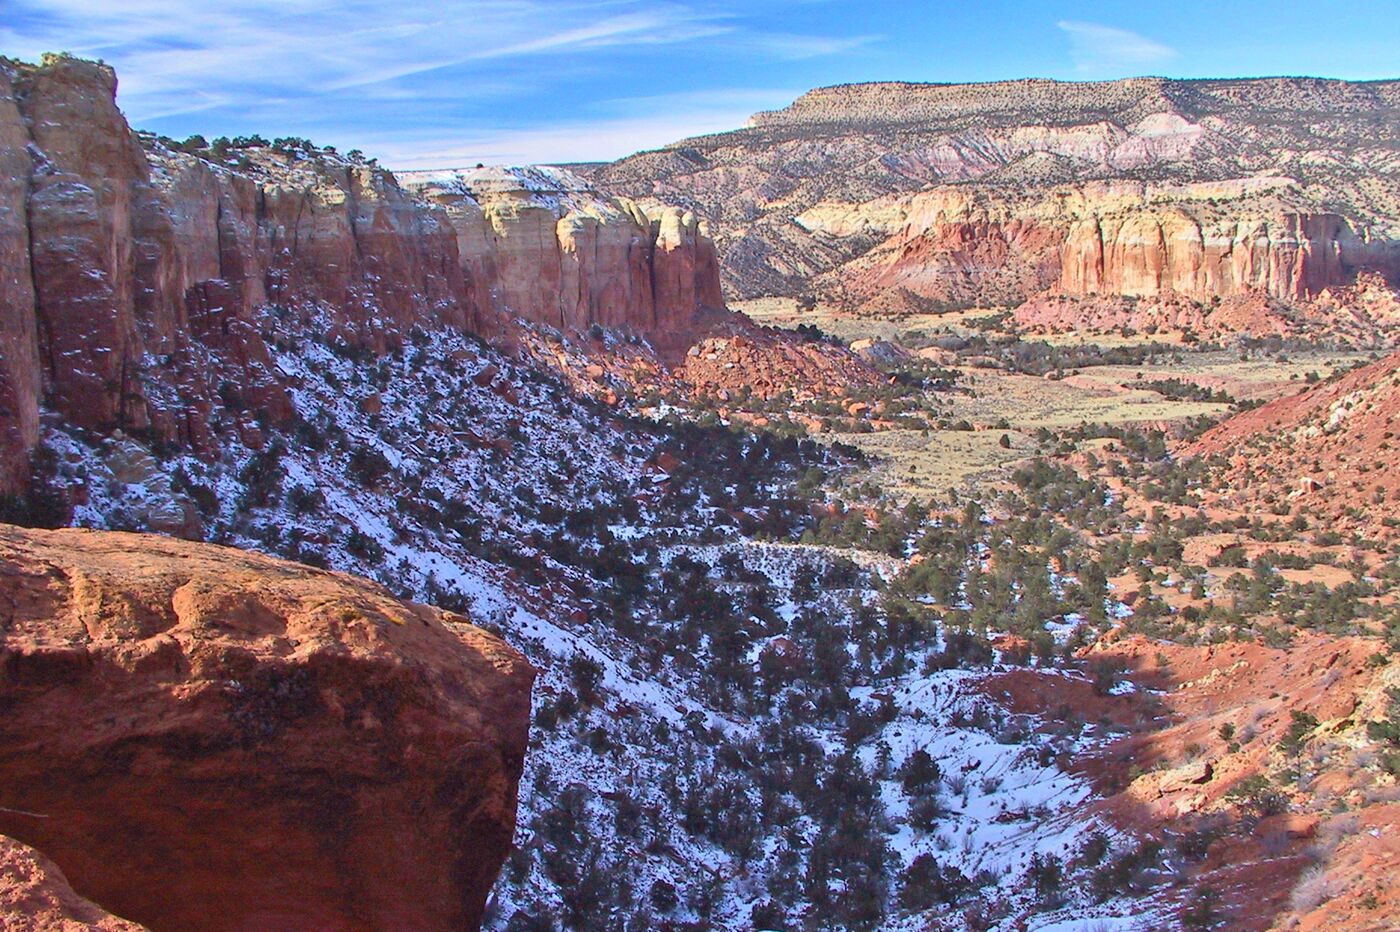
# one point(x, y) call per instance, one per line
point(206, 738)
point(36, 897)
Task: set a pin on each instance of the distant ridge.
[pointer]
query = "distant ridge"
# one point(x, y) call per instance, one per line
point(819, 196)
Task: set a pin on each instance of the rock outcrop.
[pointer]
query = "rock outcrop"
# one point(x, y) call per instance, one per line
point(36, 897)
point(205, 738)
point(963, 247)
point(131, 271)
point(19, 343)
point(992, 193)
point(546, 247)
point(749, 361)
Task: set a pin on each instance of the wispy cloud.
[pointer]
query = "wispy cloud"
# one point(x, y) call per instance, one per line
point(660, 27)
point(1109, 51)
point(305, 45)
point(797, 47)
point(643, 123)
point(500, 72)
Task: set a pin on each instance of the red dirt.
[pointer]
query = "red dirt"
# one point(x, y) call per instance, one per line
point(1173, 776)
point(1331, 450)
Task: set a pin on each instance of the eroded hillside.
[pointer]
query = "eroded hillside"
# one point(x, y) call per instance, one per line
point(136, 266)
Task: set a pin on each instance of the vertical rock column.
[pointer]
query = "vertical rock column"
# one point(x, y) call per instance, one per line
point(19, 347)
point(87, 164)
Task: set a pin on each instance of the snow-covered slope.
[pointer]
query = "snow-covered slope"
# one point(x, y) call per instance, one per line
point(727, 733)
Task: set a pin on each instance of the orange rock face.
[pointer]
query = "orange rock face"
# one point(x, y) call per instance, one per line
point(1117, 239)
point(133, 257)
point(205, 738)
point(19, 343)
point(36, 897)
point(541, 245)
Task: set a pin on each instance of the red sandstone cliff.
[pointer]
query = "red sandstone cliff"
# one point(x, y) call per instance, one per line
point(19, 344)
point(547, 248)
point(1196, 241)
point(131, 275)
point(205, 738)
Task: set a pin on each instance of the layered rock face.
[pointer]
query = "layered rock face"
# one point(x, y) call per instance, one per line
point(544, 246)
point(206, 738)
point(131, 275)
point(990, 193)
point(960, 246)
point(19, 343)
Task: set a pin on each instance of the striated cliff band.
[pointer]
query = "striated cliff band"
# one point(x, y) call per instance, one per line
point(132, 269)
point(262, 744)
point(991, 195)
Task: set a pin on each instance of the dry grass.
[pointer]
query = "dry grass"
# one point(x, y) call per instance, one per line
point(1029, 403)
point(1312, 890)
point(783, 312)
point(911, 464)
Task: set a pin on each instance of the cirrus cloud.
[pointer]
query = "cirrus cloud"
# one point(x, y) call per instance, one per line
point(512, 76)
point(1109, 51)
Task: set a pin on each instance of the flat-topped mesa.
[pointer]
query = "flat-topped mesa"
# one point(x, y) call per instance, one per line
point(898, 102)
point(132, 270)
point(892, 103)
point(549, 248)
point(802, 197)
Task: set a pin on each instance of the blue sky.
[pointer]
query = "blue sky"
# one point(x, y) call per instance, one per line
point(422, 85)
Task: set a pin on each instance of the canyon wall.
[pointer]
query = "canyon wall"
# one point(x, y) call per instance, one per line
point(19, 344)
point(206, 738)
point(965, 246)
point(547, 248)
point(132, 273)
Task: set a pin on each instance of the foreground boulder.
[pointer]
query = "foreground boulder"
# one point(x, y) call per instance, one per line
point(202, 738)
point(34, 896)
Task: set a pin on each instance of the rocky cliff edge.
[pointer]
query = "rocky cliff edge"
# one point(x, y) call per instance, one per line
point(205, 738)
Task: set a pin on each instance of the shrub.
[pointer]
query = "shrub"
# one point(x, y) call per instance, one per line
point(1046, 875)
point(1312, 890)
point(44, 504)
point(365, 547)
point(920, 772)
point(368, 466)
point(1302, 723)
point(663, 896)
point(1256, 796)
point(1203, 910)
